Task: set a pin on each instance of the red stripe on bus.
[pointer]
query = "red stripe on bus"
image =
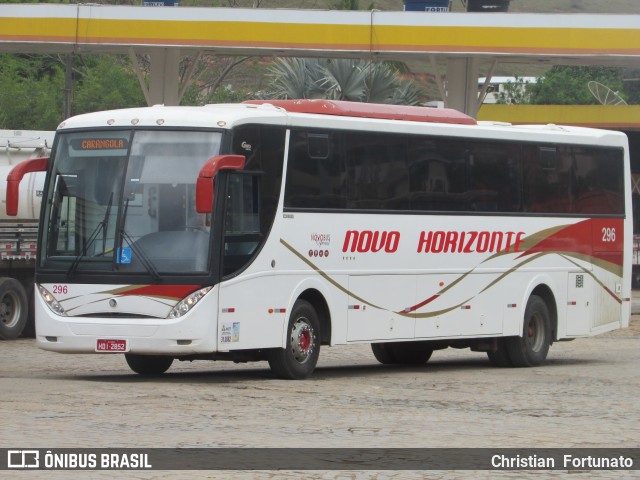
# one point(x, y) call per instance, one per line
point(422, 304)
point(165, 291)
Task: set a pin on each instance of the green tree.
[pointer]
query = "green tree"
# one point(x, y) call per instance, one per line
point(196, 96)
point(104, 83)
point(30, 92)
point(32, 88)
point(567, 85)
point(209, 81)
point(346, 5)
point(631, 86)
point(340, 79)
point(516, 92)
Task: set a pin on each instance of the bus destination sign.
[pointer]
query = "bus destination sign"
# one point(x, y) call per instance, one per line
point(99, 143)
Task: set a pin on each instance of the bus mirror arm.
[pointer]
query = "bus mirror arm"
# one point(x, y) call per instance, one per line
point(16, 175)
point(204, 184)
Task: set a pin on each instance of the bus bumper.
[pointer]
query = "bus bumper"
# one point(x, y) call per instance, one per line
point(193, 333)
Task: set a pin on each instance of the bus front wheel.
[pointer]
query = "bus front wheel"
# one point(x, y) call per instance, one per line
point(298, 360)
point(148, 364)
point(530, 350)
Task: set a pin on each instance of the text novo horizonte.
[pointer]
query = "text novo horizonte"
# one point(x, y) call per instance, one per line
point(435, 241)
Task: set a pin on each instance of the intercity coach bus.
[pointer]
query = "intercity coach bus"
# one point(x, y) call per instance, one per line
point(265, 230)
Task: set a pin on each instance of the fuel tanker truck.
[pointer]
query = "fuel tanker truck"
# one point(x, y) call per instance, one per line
point(18, 235)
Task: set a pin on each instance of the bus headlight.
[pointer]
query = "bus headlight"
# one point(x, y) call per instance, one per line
point(188, 303)
point(51, 301)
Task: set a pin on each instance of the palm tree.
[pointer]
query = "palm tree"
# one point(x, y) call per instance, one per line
point(340, 79)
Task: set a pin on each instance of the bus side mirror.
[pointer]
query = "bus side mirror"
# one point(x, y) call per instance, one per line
point(15, 177)
point(204, 184)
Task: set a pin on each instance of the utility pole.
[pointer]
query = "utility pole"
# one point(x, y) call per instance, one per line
point(68, 84)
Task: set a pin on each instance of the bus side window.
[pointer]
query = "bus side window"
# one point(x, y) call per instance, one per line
point(550, 183)
point(252, 195)
point(599, 181)
point(62, 230)
point(263, 148)
point(242, 234)
point(438, 174)
point(315, 173)
point(494, 176)
point(242, 213)
point(377, 171)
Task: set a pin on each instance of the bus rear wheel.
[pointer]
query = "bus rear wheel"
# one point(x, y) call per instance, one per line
point(298, 360)
point(402, 353)
point(148, 364)
point(531, 349)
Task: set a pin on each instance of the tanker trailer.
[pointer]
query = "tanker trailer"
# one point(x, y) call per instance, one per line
point(18, 235)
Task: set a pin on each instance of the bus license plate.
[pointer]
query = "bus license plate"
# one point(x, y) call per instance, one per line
point(111, 345)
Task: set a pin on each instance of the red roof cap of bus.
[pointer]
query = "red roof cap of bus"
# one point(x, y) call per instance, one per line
point(371, 110)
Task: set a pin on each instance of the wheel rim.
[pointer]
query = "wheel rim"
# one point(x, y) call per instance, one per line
point(9, 310)
point(535, 332)
point(302, 340)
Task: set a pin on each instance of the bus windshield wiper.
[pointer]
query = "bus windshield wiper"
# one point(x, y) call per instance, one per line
point(144, 259)
point(102, 226)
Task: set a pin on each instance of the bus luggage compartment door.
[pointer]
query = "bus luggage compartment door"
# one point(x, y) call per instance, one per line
point(375, 307)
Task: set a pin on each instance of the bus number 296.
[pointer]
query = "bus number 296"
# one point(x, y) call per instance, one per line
point(608, 234)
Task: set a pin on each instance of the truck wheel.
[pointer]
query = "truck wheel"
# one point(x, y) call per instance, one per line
point(298, 360)
point(13, 308)
point(148, 364)
point(530, 350)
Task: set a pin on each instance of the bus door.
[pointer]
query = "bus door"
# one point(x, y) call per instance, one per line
point(594, 301)
point(608, 248)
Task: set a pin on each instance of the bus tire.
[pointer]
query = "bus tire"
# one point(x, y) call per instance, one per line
point(412, 353)
point(30, 325)
point(530, 350)
point(13, 308)
point(298, 360)
point(500, 358)
point(402, 353)
point(635, 277)
point(384, 353)
point(148, 364)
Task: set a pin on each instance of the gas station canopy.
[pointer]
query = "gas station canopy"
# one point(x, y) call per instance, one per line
point(462, 40)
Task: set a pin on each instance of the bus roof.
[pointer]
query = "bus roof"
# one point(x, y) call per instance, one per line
point(370, 110)
point(339, 115)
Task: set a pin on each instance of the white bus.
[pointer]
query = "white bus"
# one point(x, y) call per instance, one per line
point(263, 230)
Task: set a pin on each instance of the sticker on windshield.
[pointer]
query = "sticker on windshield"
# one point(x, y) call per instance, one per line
point(124, 255)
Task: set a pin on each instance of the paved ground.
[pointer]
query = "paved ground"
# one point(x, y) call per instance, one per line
point(587, 395)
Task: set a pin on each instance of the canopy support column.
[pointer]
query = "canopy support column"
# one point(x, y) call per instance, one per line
point(165, 72)
point(462, 85)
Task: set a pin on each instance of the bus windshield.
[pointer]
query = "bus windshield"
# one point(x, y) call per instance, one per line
point(124, 201)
